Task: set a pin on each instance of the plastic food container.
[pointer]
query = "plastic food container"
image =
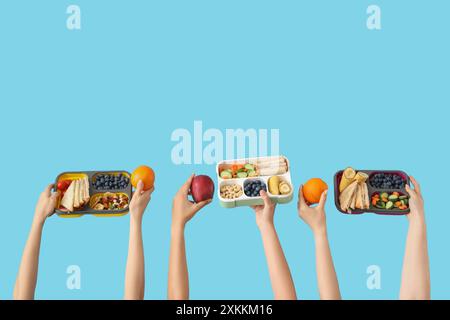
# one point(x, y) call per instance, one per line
point(374, 190)
point(90, 195)
point(234, 176)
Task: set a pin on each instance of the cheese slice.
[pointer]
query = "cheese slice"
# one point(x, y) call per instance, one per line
point(67, 200)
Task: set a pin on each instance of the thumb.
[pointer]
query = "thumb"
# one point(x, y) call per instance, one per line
point(323, 200)
point(54, 196)
point(140, 187)
point(411, 192)
point(265, 197)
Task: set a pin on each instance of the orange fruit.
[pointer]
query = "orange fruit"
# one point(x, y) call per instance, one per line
point(144, 173)
point(313, 189)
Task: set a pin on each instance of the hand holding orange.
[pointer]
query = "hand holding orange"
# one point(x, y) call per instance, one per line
point(313, 189)
point(144, 173)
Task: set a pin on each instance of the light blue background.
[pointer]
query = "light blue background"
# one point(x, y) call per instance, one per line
point(110, 95)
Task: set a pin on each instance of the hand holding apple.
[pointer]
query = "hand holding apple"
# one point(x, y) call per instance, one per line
point(184, 210)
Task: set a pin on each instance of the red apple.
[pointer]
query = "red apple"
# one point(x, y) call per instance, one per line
point(202, 188)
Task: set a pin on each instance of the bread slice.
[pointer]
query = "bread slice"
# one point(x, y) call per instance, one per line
point(273, 171)
point(359, 197)
point(67, 200)
point(82, 188)
point(86, 196)
point(353, 201)
point(76, 200)
point(346, 197)
point(366, 199)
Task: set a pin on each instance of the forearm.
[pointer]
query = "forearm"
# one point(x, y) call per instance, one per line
point(135, 270)
point(178, 286)
point(416, 273)
point(326, 274)
point(280, 275)
point(27, 276)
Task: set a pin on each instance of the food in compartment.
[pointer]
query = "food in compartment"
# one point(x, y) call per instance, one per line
point(110, 181)
point(144, 173)
point(76, 195)
point(109, 201)
point(63, 185)
point(231, 191)
point(348, 176)
point(274, 185)
point(390, 201)
point(202, 188)
point(355, 192)
point(384, 180)
point(271, 166)
point(253, 187)
point(313, 189)
point(277, 186)
point(238, 170)
point(285, 188)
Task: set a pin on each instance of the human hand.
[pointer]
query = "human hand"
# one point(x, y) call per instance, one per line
point(416, 204)
point(264, 213)
point(313, 216)
point(183, 209)
point(46, 204)
point(140, 200)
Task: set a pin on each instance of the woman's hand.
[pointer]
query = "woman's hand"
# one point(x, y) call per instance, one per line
point(264, 213)
point(416, 204)
point(313, 216)
point(140, 200)
point(183, 209)
point(46, 204)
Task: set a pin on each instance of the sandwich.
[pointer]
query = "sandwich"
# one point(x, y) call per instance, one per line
point(272, 166)
point(76, 196)
point(354, 191)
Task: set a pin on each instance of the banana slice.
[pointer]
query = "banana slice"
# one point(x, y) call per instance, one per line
point(285, 188)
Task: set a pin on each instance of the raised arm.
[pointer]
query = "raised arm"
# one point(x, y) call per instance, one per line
point(416, 270)
point(27, 276)
point(326, 275)
point(135, 270)
point(280, 275)
point(183, 210)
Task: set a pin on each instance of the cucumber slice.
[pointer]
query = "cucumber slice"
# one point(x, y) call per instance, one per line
point(242, 175)
point(393, 197)
point(249, 167)
point(251, 173)
point(226, 174)
point(403, 197)
point(389, 205)
point(380, 205)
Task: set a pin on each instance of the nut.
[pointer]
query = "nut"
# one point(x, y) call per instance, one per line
point(231, 191)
